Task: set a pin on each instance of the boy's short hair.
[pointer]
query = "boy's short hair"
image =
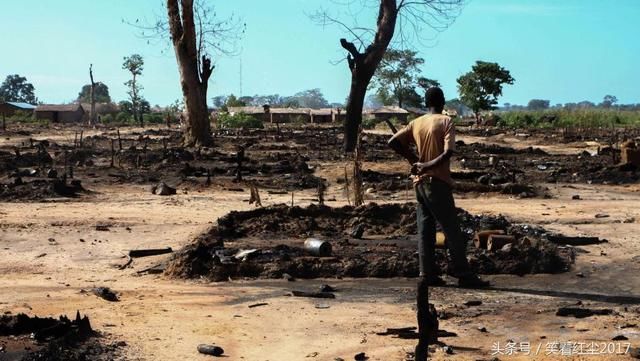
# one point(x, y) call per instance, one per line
point(434, 98)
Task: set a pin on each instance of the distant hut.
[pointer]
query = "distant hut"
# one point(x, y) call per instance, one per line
point(290, 115)
point(9, 109)
point(386, 113)
point(65, 113)
point(323, 115)
point(415, 112)
point(339, 115)
point(451, 112)
point(261, 113)
point(102, 109)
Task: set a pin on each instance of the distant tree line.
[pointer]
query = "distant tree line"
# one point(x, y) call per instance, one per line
point(312, 98)
point(608, 102)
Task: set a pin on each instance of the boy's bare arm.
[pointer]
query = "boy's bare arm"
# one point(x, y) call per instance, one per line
point(403, 149)
point(419, 168)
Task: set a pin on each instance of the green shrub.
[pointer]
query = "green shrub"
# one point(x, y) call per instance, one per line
point(108, 118)
point(153, 118)
point(370, 123)
point(124, 118)
point(560, 118)
point(239, 120)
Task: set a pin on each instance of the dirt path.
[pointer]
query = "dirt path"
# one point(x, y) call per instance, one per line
point(164, 319)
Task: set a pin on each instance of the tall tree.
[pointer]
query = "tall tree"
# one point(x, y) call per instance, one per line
point(134, 64)
point(15, 88)
point(538, 104)
point(312, 98)
point(609, 101)
point(397, 76)
point(233, 101)
point(93, 116)
point(480, 88)
point(410, 16)
point(194, 32)
point(101, 93)
point(426, 83)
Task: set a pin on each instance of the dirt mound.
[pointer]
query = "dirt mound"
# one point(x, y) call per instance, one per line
point(482, 148)
point(39, 189)
point(268, 242)
point(465, 182)
point(24, 338)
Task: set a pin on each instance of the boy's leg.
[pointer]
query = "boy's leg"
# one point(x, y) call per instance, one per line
point(427, 319)
point(442, 205)
point(426, 234)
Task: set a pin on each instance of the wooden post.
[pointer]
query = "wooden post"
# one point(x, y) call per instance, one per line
point(92, 114)
point(358, 193)
point(346, 184)
point(112, 152)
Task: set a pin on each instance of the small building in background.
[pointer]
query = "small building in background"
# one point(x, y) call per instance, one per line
point(245, 110)
point(340, 115)
point(451, 112)
point(415, 112)
point(63, 113)
point(261, 113)
point(290, 115)
point(323, 115)
point(9, 109)
point(102, 109)
point(386, 113)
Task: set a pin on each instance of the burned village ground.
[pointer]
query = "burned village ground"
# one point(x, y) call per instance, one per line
point(61, 238)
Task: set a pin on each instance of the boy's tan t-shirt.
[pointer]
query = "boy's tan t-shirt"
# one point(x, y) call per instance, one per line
point(433, 134)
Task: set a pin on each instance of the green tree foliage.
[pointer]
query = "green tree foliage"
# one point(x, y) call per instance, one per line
point(15, 88)
point(232, 101)
point(609, 101)
point(312, 98)
point(457, 105)
point(127, 107)
point(538, 104)
point(101, 93)
point(239, 120)
point(219, 101)
point(426, 83)
point(134, 64)
point(480, 88)
point(396, 78)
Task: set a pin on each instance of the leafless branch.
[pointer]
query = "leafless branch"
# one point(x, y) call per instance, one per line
point(214, 35)
point(419, 21)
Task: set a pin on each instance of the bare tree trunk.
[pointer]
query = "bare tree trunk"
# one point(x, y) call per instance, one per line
point(92, 115)
point(363, 66)
point(135, 103)
point(358, 192)
point(193, 78)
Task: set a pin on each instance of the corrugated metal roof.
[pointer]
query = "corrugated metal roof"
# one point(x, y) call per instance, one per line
point(25, 106)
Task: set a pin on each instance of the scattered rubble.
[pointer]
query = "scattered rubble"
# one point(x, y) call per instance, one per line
point(211, 350)
point(387, 247)
point(105, 293)
point(578, 312)
point(33, 338)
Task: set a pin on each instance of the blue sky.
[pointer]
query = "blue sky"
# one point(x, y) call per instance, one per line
point(565, 51)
